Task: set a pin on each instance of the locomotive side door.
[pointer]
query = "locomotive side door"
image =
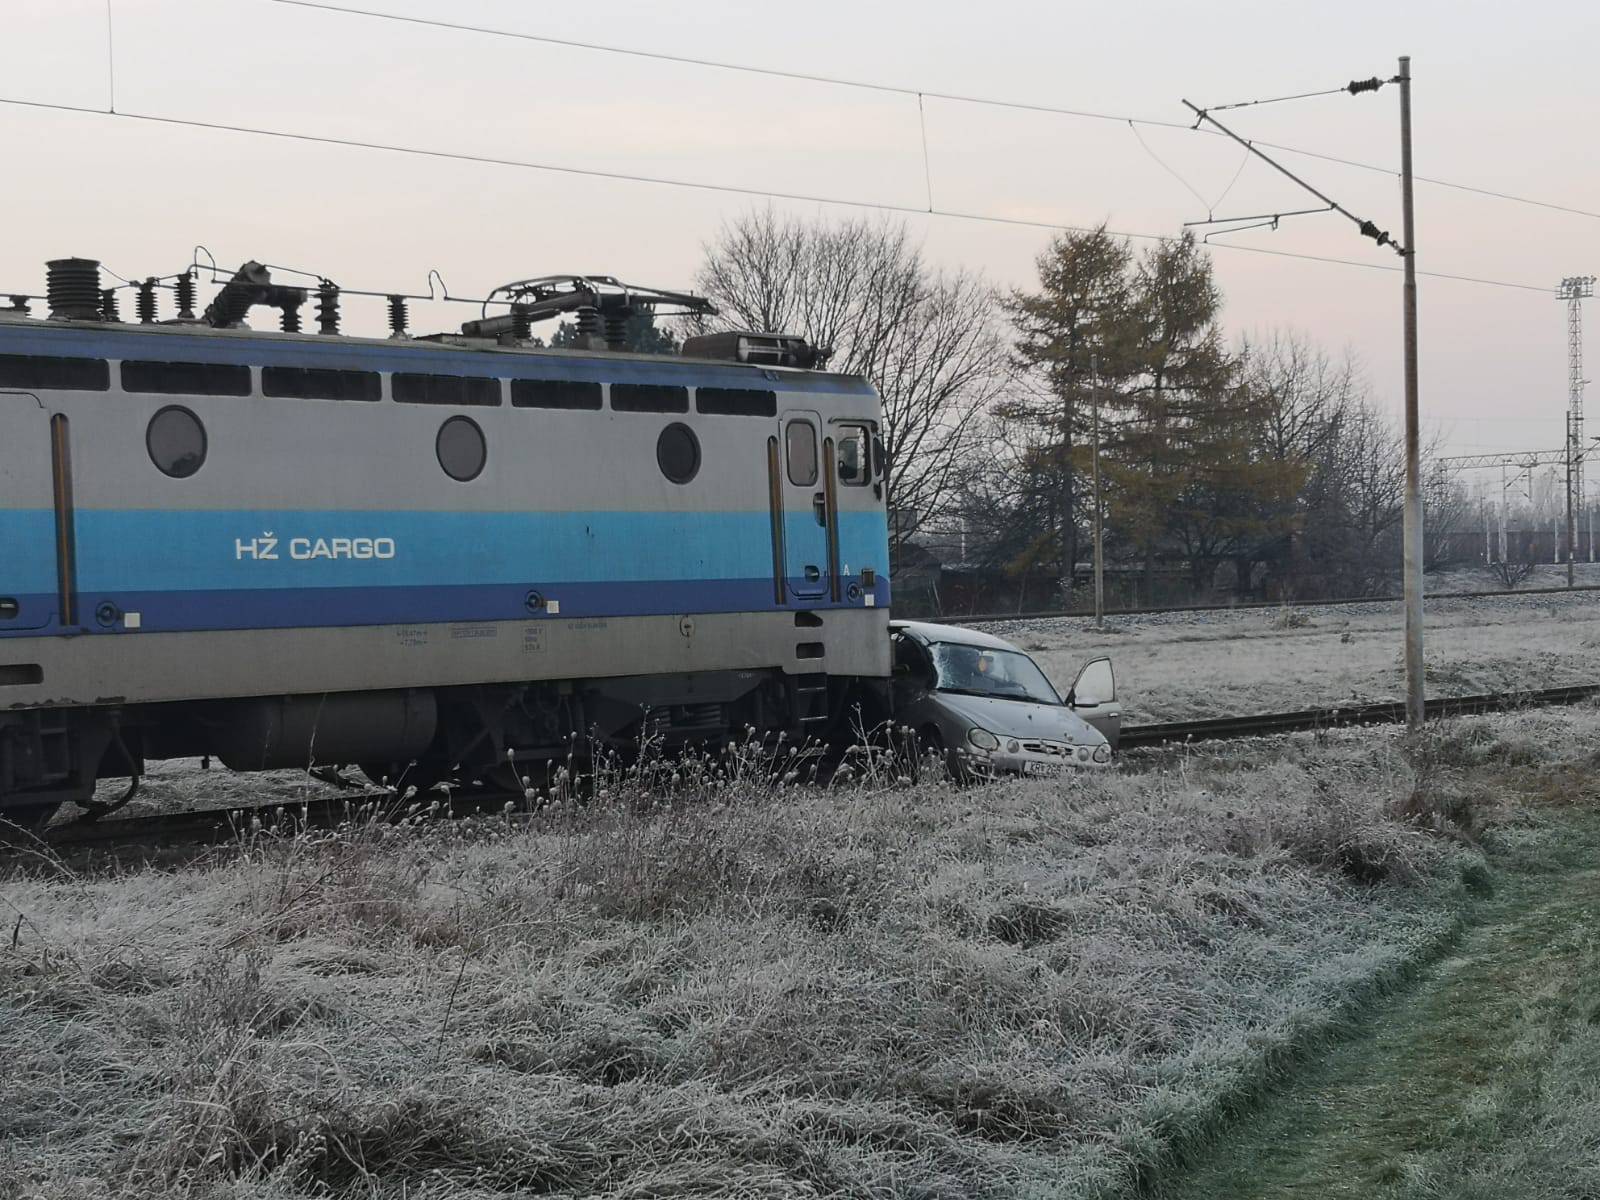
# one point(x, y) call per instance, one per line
point(28, 578)
point(804, 529)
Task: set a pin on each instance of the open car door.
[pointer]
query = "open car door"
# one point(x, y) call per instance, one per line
point(1094, 698)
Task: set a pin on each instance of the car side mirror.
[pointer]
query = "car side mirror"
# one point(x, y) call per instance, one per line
point(1096, 685)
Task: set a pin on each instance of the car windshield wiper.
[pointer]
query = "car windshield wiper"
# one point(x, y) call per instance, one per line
point(1025, 697)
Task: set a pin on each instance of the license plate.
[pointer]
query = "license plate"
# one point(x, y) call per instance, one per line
point(1039, 768)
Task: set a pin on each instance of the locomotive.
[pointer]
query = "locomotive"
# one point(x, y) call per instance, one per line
point(447, 557)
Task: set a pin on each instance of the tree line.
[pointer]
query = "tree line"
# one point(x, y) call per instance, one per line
point(1261, 465)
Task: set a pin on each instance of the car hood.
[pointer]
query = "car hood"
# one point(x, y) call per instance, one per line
point(1020, 719)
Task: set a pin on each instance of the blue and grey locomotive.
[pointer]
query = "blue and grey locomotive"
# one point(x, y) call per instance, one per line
point(436, 554)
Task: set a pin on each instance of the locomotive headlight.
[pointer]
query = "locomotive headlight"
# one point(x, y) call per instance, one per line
point(982, 739)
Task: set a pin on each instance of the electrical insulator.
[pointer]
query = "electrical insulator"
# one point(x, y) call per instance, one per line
point(186, 296)
point(328, 309)
point(145, 302)
point(108, 304)
point(397, 316)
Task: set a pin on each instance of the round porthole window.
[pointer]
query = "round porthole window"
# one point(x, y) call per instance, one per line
point(176, 441)
point(678, 453)
point(461, 449)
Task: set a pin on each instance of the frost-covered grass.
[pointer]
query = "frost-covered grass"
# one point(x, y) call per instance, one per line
point(1175, 667)
point(1479, 1080)
point(722, 986)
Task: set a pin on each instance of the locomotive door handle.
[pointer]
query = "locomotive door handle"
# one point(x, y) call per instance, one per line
point(819, 508)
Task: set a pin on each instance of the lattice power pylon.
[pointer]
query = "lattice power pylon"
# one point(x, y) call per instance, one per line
point(1575, 289)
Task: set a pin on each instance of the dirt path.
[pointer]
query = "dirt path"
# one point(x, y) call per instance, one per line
point(1438, 1078)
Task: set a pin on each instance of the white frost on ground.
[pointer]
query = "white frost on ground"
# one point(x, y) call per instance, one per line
point(1184, 666)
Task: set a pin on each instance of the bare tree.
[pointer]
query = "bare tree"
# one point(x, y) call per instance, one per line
point(926, 338)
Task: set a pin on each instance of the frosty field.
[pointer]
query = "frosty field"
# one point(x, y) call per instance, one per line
point(1183, 666)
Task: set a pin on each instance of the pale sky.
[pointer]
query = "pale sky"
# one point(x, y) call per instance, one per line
point(1505, 99)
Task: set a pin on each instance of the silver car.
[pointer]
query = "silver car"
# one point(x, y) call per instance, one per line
point(989, 709)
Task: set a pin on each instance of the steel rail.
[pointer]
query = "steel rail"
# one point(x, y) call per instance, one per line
point(226, 824)
point(1244, 605)
point(1382, 712)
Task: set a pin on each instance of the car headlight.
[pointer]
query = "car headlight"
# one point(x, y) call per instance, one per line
point(1083, 754)
point(1102, 754)
point(983, 739)
point(1013, 746)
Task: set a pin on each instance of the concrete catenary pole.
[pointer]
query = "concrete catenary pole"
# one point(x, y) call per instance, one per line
point(1099, 539)
point(1416, 708)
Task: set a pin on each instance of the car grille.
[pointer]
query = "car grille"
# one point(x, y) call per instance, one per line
point(1056, 748)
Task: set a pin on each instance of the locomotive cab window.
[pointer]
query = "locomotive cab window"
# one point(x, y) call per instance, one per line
point(176, 441)
point(461, 449)
point(800, 448)
point(855, 463)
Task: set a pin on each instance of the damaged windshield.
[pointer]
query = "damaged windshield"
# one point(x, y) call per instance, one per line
point(981, 671)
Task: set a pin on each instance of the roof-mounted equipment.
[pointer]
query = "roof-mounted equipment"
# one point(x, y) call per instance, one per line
point(252, 285)
point(72, 286)
point(757, 349)
point(600, 304)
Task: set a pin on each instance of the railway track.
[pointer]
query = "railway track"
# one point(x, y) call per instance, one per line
point(226, 824)
point(1384, 712)
point(1046, 614)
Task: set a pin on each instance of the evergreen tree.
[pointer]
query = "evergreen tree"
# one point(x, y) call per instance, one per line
point(1078, 321)
point(1181, 469)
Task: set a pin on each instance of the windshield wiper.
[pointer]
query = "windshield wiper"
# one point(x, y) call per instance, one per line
point(1025, 697)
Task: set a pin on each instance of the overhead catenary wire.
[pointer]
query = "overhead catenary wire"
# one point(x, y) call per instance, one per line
point(111, 60)
point(1165, 166)
point(927, 163)
point(1367, 228)
point(697, 185)
point(928, 93)
point(1353, 88)
point(1275, 99)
